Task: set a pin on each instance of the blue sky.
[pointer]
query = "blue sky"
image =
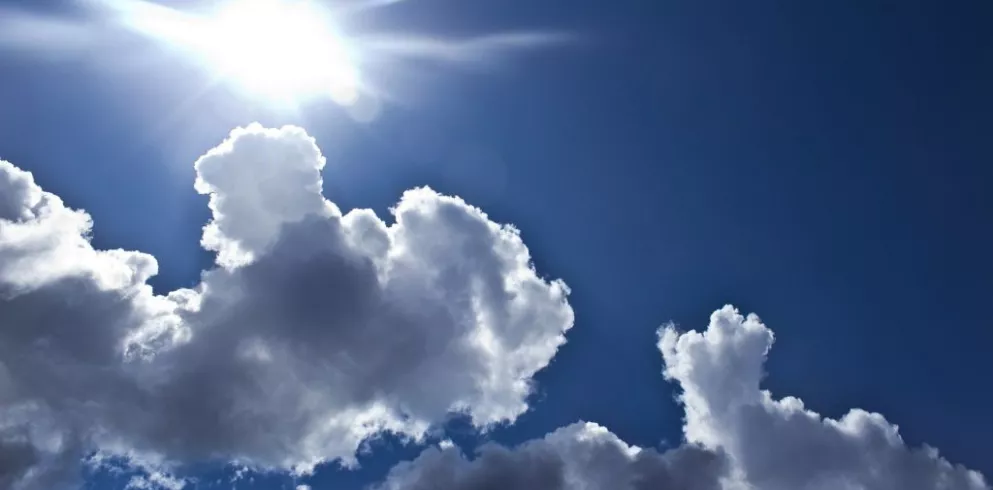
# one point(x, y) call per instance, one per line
point(825, 165)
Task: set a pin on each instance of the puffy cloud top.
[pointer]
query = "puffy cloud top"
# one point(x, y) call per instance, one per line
point(259, 180)
point(316, 331)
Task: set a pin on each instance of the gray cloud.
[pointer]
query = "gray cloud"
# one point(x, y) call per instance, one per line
point(580, 456)
point(738, 437)
point(17, 456)
point(316, 330)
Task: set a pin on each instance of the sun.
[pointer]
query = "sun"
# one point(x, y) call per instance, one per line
point(281, 49)
point(286, 53)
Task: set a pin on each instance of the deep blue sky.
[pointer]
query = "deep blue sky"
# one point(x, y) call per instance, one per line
point(826, 164)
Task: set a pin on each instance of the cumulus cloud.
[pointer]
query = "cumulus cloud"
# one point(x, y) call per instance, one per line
point(318, 329)
point(315, 331)
point(778, 443)
point(738, 437)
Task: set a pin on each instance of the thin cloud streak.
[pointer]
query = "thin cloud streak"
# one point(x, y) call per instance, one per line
point(470, 50)
point(26, 31)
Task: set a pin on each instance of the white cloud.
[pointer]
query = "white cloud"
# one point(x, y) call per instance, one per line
point(316, 330)
point(155, 481)
point(777, 443)
point(738, 437)
point(319, 329)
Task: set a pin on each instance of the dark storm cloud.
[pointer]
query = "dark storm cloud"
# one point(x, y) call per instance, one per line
point(17, 456)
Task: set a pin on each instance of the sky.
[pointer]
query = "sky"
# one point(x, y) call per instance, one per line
point(511, 261)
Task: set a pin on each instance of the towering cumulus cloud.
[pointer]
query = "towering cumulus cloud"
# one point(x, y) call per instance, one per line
point(738, 437)
point(315, 331)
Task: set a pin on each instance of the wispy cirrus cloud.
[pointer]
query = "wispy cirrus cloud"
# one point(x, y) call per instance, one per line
point(472, 50)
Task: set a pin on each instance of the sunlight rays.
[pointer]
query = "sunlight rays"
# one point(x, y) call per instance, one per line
point(283, 53)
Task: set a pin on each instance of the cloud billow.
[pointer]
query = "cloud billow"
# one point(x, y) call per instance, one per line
point(316, 330)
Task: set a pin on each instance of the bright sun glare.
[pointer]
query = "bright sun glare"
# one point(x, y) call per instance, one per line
point(284, 51)
point(280, 49)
